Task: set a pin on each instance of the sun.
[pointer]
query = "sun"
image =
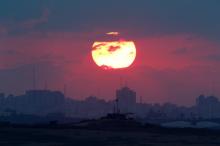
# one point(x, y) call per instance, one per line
point(114, 54)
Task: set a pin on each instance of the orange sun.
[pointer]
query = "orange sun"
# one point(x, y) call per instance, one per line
point(114, 54)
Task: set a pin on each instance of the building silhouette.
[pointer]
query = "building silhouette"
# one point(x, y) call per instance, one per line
point(126, 99)
point(38, 102)
point(208, 107)
point(54, 103)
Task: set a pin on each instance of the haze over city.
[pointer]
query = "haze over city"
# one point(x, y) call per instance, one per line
point(109, 72)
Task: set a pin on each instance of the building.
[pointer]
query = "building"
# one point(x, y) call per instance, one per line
point(126, 99)
point(208, 107)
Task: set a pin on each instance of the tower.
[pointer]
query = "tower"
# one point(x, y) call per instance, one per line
point(125, 99)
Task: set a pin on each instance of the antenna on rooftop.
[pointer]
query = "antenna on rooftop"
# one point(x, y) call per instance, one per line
point(64, 90)
point(140, 99)
point(125, 83)
point(34, 77)
point(45, 85)
point(213, 88)
point(117, 106)
point(212, 81)
point(121, 82)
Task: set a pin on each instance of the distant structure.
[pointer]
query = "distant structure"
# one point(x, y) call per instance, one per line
point(208, 107)
point(37, 102)
point(44, 101)
point(47, 102)
point(126, 99)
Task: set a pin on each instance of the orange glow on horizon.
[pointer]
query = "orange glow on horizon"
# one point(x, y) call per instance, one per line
point(114, 55)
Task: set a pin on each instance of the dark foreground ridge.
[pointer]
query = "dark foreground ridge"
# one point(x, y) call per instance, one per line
point(114, 129)
point(66, 135)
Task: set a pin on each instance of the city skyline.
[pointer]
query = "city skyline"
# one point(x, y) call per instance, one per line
point(46, 103)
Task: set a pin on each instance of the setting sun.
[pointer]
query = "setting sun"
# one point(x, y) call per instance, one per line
point(114, 55)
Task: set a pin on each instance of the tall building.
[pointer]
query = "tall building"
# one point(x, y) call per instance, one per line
point(208, 107)
point(40, 102)
point(126, 99)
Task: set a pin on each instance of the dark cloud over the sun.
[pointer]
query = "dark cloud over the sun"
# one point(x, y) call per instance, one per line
point(137, 17)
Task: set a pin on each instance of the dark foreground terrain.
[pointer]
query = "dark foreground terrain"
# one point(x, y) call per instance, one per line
point(80, 137)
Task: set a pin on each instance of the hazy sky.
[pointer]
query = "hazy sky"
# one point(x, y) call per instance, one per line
point(178, 47)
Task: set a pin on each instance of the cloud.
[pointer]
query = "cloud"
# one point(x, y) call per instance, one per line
point(113, 48)
point(13, 27)
point(3, 30)
point(142, 18)
point(212, 57)
point(59, 49)
point(136, 19)
point(8, 52)
point(180, 51)
point(31, 23)
point(21, 77)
